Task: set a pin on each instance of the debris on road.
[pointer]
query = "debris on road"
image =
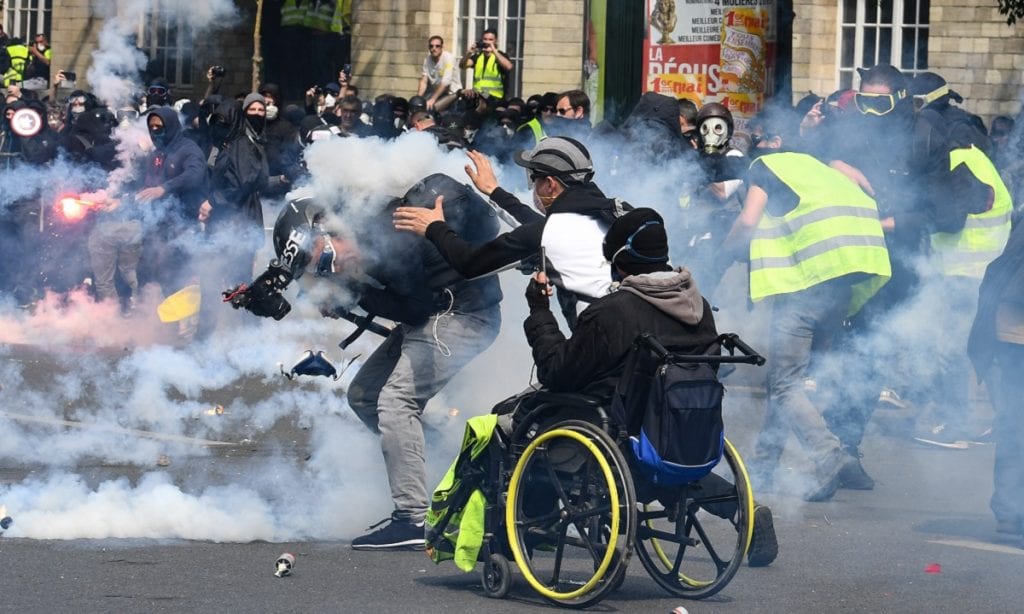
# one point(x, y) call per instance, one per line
point(284, 565)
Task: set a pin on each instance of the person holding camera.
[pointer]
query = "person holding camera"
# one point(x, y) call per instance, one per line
point(440, 82)
point(490, 66)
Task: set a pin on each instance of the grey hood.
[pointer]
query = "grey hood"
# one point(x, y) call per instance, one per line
point(672, 292)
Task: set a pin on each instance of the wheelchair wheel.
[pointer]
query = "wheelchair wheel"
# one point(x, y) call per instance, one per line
point(496, 576)
point(693, 541)
point(571, 514)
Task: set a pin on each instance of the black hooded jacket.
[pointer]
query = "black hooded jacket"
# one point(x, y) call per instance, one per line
point(178, 166)
point(239, 172)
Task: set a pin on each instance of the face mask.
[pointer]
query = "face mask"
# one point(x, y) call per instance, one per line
point(715, 133)
point(256, 122)
point(272, 111)
point(76, 109)
point(159, 136)
point(41, 47)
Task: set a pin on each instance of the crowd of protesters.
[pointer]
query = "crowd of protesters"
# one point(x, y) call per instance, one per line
point(901, 174)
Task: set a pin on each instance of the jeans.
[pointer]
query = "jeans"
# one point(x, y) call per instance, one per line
point(393, 386)
point(799, 320)
point(1006, 387)
point(115, 246)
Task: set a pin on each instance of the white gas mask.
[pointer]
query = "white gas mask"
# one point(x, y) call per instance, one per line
point(272, 111)
point(714, 132)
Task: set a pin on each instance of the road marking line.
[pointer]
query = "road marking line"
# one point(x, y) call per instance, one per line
point(119, 429)
point(962, 543)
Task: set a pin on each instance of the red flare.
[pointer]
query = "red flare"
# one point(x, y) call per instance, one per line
point(74, 209)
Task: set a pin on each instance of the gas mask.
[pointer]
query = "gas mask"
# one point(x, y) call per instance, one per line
point(272, 112)
point(714, 133)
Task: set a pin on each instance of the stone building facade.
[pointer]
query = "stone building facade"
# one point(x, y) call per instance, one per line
point(969, 44)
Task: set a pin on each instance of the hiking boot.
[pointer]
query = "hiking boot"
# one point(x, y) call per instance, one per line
point(853, 476)
point(397, 534)
point(764, 546)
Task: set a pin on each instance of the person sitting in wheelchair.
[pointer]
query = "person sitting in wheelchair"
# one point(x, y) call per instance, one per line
point(650, 296)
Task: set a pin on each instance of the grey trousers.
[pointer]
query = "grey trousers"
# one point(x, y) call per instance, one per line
point(798, 321)
point(393, 386)
point(115, 246)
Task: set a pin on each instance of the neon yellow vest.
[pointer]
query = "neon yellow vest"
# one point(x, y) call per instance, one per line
point(534, 126)
point(487, 76)
point(292, 13)
point(342, 17)
point(19, 59)
point(968, 252)
point(320, 14)
point(833, 231)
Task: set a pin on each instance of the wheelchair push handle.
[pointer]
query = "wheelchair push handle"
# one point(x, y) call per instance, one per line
point(732, 342)
point(729, 341)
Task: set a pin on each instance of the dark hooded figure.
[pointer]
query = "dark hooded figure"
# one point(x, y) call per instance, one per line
point(89, 141)
point(174, 181)
point(239, 174)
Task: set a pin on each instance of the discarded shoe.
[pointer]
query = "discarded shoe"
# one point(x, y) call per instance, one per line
point(764, 546)
point(941, 436)
point(397, 534)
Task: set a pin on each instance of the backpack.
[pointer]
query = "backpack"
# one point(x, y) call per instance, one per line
point(5, 59)
point(672, 412)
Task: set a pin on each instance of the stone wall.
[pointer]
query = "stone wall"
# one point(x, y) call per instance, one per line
point(814, 47)
point(553, 49)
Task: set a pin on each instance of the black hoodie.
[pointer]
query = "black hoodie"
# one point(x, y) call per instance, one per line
point(178, 166)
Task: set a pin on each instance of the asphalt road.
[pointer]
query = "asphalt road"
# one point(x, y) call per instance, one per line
point(82, 433)
point(862, 552)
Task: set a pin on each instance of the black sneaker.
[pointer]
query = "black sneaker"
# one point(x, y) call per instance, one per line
point(853, 476)
point(398, 534)
point(764, 546)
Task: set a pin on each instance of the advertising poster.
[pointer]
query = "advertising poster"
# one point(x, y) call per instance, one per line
point(711, 51)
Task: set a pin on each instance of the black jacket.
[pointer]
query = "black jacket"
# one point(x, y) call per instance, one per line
point(178, 166)
point(592, 360)
point(240, 170)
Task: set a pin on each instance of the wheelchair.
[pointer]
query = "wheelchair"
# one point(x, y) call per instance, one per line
point(567, 504)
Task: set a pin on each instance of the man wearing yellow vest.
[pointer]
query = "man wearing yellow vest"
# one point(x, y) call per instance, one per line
point(19, 60)
point(817, 250)
point(490, 66)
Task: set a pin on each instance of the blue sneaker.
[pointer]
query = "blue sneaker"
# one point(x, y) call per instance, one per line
point(397, 534)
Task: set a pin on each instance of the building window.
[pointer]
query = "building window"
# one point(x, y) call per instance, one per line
point(882, 31)
point(168, 42)
point(26, 18)
point(505, 16)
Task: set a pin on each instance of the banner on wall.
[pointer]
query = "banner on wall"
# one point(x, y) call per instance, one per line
point(712, 51)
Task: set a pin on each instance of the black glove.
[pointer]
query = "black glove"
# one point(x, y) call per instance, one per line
point(537, 296)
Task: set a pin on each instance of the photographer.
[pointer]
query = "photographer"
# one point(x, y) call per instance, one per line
point(490, 66)
point(443, 321)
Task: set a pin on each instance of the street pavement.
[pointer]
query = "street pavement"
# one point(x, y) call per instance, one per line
point(922, 541)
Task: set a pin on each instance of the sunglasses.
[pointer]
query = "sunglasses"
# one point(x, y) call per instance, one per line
point(564, 111)
point(876, 104)
point(157, 90)
point(76, 100)
point(432, 46)
point(547, 109)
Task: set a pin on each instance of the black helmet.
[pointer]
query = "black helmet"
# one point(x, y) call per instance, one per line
point(417, 102)
point(715, 109)
point(713, 138)
point(294, 231)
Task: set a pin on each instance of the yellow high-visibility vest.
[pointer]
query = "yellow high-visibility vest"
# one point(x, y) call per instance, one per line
point(342, 17)
point(487, 76)
point(293, 12)
point(832, 232)
point(19, 60)
point(320, 14)
point(534, 126)
point(967, 253)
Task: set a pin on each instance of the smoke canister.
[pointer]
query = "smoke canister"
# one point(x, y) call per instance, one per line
point(284, 564)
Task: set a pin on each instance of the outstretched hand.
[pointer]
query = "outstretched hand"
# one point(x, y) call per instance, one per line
point(481, 173)
point(417, 219)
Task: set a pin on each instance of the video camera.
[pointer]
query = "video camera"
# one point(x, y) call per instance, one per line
point(262, 297)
